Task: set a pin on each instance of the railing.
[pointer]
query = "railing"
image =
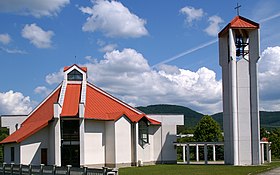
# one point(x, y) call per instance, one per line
point(19, 169)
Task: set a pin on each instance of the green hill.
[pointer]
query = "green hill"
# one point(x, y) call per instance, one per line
point(268, 120)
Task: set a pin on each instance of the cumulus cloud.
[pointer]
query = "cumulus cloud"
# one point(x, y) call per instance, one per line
point(55, 78)
point(192, 14)
point(269, 78)
point(214, 26)
point(113, 19)
point(37, 36)
point(43, 90)
point(33, 7)
point(5, 38)
point(127, 75)
point(14, 103)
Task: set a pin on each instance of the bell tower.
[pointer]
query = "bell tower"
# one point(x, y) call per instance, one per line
point(238, 57)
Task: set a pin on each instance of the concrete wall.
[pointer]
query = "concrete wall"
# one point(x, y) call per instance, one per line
point(94, 142)
point(10, 121)
point(7, 153)
point(30, 148)
point(243, 105)
point(165, 136)
point(110, 156)
point(123, 141)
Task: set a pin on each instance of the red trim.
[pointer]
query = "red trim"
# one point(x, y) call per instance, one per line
point(68, 67)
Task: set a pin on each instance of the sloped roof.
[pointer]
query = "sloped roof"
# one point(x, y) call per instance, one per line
point(239, 22)
point(102, 106)
point(71, 102)
point(82, 68)
point(37, 119)
point(99, 106)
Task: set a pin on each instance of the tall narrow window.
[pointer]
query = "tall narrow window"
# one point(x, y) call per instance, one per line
point(12, 154)
point(75, 75)
point(143, 133)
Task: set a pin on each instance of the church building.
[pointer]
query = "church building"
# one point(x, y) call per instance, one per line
point(79, 124)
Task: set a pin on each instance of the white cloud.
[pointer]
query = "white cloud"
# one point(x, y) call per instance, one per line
point(192, 14)
point(37, 36)
point(33, 7)
point(214, 26)
point(108, 48)
point(5, 38)
point(13, 51)
point(113, 19)
point(44, 91)
point(127, 75)
point(269, 78)
point(55, 77)
point(14, 103)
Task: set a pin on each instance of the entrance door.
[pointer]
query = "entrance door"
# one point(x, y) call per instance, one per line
point(70, 143)
point(70, 155)
point(44, 156)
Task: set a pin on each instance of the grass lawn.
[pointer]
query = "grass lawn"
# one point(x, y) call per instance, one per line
point(197, 169)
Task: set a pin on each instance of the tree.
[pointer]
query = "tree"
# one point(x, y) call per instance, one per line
point(208, 130)
point(274, 137)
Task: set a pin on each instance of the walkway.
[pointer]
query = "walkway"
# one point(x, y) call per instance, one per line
point(275, 171)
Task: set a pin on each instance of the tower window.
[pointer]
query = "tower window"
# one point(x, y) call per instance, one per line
point(75, 75)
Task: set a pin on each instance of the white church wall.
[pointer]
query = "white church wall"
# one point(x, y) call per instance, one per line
point(110, 142)
point(123, 141)
point(7, 153)
point(30, 148)
point(149, 152)
point(94, 142)
point(10, 122)
point(244, 121)
point(168, 132)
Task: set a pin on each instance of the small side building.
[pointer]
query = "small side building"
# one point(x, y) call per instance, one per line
point(79, 124)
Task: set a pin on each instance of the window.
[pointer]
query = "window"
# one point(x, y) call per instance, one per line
point(143, 133)
point(12, 154)
point(75, 75)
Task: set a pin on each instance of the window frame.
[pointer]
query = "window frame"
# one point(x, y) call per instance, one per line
point(143, 130)
point(75, 75)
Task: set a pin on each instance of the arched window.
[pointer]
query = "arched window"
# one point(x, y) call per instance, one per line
point(143, 133)
point(75, 75)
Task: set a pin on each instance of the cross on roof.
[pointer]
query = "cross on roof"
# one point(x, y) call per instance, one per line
point(237, 9)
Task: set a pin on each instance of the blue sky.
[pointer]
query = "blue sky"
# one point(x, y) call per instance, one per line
point(143, 52)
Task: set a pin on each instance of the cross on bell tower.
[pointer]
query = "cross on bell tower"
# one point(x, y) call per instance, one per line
point(237, 9)
point(238, 57)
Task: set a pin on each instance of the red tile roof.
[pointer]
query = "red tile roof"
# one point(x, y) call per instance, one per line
point(68, 67)
point(102, 106)
point(71, 102)
point(240, 22)
point(37, 119)
point(99, 106)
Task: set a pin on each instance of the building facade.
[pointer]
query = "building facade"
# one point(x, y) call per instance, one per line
point(79, 124)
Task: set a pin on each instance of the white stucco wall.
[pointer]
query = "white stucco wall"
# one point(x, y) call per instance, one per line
point(123, 140)
point(30, 148)
point(10, 121)
point(165, 136)
point(7, 153)
point(94, 142)
point(110, 155)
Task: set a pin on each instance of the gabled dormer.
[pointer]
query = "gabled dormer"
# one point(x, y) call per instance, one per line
point(74, 74)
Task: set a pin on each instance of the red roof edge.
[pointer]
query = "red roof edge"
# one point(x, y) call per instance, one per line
point(68, 67)
point(253, 25)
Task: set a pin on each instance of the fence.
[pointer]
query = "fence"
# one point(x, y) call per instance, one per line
point(19, 169)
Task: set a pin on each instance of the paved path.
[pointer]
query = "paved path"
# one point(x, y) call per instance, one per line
point(275, 171)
